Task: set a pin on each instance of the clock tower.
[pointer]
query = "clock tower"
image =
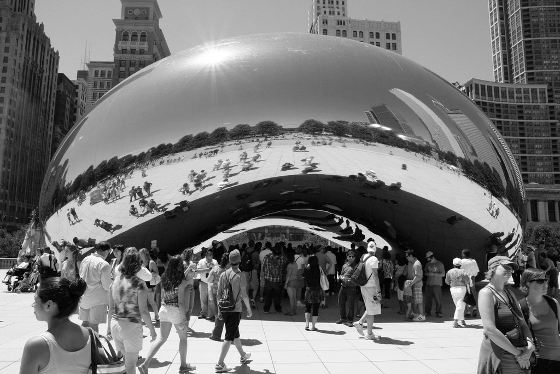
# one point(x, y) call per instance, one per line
point(139, 40)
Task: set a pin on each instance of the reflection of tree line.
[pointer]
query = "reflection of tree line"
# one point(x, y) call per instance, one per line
point(479, 172)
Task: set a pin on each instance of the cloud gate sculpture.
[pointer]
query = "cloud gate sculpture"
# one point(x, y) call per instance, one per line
point(272, 126)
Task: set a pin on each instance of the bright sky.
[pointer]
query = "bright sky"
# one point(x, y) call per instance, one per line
point(449, 37)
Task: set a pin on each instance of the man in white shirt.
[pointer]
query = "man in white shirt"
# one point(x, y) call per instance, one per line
point(371, 292)
point(96, 272)
point(203, 270)
point(331, 272)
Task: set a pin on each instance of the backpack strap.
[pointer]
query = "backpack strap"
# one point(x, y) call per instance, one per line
point(554, 306)
point(363, 260)
point(238, 292)
point(526, 316)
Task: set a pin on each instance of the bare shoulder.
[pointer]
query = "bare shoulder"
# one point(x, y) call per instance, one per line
point(36, 345)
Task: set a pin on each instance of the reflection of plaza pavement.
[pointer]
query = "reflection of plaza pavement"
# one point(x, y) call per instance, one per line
point(424, 179)
point(279, 344)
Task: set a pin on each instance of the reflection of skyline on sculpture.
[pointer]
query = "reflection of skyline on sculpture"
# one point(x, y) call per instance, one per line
point(279, 88)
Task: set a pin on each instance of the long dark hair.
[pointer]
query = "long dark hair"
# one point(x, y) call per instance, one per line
point(131, 262)
point(63, 292)
point(313, 266)
point(173, 274)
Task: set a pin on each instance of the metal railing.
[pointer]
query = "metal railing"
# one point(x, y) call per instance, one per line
point(6, 263)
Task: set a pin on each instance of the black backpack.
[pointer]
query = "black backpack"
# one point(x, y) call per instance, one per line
point(226, 302)
point(359, 277)
point(246, 262)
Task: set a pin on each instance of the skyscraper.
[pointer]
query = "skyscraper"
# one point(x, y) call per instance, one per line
point(330, 17)
point(65, 110)
point(139, 40)
point(28, 79)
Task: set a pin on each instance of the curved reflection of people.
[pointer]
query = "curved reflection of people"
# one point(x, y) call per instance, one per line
point(506, 345)
point(542, 313)
point(65, 346)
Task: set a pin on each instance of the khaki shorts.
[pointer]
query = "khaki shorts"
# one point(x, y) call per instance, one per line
point(373, 307)
point(127, 336)
point(96, 314)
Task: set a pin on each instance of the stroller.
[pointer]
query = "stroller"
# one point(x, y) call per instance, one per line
point(23, 274)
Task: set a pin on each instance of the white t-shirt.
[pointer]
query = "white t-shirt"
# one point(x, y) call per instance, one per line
point(203, 264)
point(470, 266)
point(371, 265)
point(301, 261)
point(263, 254)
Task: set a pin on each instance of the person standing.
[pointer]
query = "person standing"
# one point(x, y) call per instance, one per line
point(150, 264)
point(203, 270)
point(262, 254)
point(371, 291)
point(213, 280)
point(128, 305)
point(233, 279)
point(313, 294)
point(347, 292)
point(459, 283)
point(541, 312)
point(96, 272)
point(388, 270)
point(331, 273)
point(471, 268)
point(65, 347)
point(506, 345)
point(273, 268)
point(291, 283)
point(301, 262)
point(248, 261)
point(415, 274)
point(48, 264)
point(435, 272)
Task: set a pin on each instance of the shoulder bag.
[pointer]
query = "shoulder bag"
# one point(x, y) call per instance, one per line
point(324, 281)
point(104, 360)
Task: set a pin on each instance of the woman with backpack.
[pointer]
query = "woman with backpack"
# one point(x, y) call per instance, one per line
point(541, 313)
point(172, 313)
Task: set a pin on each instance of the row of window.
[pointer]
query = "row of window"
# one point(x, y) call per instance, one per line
point(359, 34)
point(97, 73)
point(134, 36)
point(106, 84)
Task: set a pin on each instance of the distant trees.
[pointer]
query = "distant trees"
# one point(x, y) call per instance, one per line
point(312, 126)
point(240, 131)
point(269, 128)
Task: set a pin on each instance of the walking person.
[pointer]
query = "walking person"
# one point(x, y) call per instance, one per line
point(541, 313)
point(172, 313)
point(262, 254)
point(74, 214)
point(471, 267)
point(128, 306)
point(150, 264)
point(190, 274)
point(313, 292)
point(233, 280)
point(415, 274)
point(65, 347)
point(96, 272)
point(506, 346)
point(213, 280)
point(434, 272)
point(347, 291)
point(291, 283)
point(371, 291)
point(400, 278)
point(459, 283)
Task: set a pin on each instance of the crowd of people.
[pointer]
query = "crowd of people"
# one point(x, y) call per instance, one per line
point(119, 286)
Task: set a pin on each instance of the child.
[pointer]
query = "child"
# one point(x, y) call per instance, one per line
point(407, 295)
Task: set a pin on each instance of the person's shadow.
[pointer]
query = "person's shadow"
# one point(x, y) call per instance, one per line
point(331, 332)
point(246, 369)
point(387, 340)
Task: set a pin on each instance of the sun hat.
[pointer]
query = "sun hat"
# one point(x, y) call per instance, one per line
point(456, 261)
point(496, 261)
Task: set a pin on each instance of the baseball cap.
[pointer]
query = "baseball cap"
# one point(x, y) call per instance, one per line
point(429, 254)
point(496, 261)
point(234, 257)
point(456, 261)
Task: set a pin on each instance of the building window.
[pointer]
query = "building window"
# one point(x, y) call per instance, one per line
point(325, 21)
point(95, 84)
point(534, 211)
point(325, 32)
point(371, 34)
point(377, 35)
point(133, 51)
point(109, 74)
point(143, 37)
point(344, 33)
point(387, 45)
point(102, 75)
point(134, 37)
point(96, 73)
point(361, 34)
point(354, 34)
point(551, 211)
point(122, 63)
point(125, 36)
point(387, 36)
point(337, 32)
point(394, 45)
point(377, 44)
point(394, 36)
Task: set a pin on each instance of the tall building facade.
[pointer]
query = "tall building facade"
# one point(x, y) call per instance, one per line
point(65, 110)
point(330, 17)
point(139, 41)
point(28, 80)
point(99, 80)
point(81, 94)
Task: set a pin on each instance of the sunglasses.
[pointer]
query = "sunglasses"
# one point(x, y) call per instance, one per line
point(508, 268)
point(236, 264)
point(539, 281)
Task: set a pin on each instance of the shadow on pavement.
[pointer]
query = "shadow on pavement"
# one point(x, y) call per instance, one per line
point(250, 342)
point(386, 340)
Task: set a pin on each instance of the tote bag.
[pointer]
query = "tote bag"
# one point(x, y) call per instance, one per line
point(324, 281)
point(104, 360)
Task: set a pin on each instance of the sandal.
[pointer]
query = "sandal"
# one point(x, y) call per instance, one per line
point(306, 328)
point(313, 329)
point(186, 368)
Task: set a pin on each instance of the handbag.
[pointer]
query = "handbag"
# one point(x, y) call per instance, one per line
point(104, 360)
point(469, 298)
point(324, 281)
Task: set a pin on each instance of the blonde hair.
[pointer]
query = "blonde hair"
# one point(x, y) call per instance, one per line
point(145, 256)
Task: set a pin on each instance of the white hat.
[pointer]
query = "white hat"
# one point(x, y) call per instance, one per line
point(371, 246)
point(456, 261)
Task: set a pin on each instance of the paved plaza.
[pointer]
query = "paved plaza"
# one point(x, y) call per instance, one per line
point(279, 344)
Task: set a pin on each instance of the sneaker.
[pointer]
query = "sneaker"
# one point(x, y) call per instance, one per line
point(371, 337)
point(359, 328)
point(244, 359)
point(221, 368)
point(419, 318)
point(463, 323)
point(186, 368)
point(340, 322)
point(349, 323)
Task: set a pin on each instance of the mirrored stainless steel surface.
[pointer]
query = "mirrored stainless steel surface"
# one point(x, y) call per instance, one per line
point(256, 125)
